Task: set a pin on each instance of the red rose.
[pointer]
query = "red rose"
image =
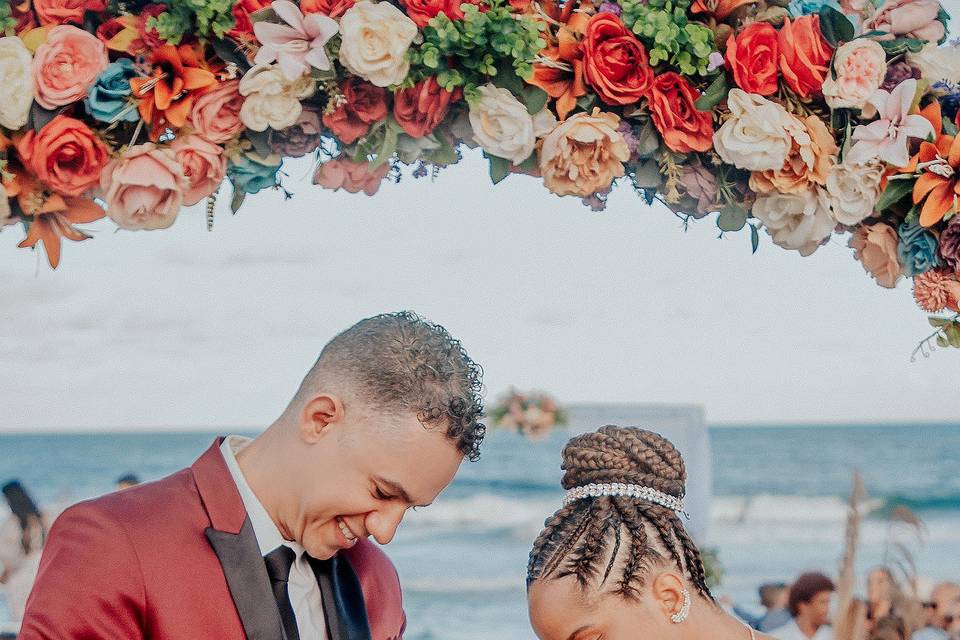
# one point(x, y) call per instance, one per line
point(422, 11)
point(683, 127)
point(151, 39)
point(65, 156)
point(64, 11)
point(332, 8)
point(804, 55)
point(615, 62)
point(363, 105)
point(243, 27)
point(753, 56)
point(423, 106)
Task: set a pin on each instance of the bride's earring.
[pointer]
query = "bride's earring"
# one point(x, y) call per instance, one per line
point(681, 615)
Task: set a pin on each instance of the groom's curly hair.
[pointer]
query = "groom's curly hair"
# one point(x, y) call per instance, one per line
point(618, 538)
point(401, 362)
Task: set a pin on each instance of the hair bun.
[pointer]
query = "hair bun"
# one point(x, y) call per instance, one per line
point(624, 454)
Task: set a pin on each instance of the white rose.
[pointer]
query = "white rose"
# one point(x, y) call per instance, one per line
point(860, 67)
point(799, 221)
point(757, 135)
point(17, 83)
point(852, 191)
point(375, 39)
point(503, 127)
point(272, 100)
point(938, 64)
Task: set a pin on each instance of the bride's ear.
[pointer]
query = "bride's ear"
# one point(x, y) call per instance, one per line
point(667, 590)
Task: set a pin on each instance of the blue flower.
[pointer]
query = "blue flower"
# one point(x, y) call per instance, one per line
point(109, 95)
point(799, 8)
point(252, 173)
point(917, 249)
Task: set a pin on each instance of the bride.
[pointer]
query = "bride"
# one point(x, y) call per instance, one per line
point(615, 563)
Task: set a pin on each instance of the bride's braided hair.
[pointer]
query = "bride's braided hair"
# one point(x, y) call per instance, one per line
point(590, 537)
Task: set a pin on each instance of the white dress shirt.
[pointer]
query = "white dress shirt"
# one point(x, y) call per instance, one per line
point(305, 596)
point(791, 631)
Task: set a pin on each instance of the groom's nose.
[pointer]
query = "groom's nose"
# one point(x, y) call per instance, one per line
point(382, 524)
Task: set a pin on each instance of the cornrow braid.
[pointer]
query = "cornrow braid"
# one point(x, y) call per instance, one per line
point(618, 536)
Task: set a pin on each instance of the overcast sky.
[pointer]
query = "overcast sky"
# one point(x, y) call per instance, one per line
point(185, 328)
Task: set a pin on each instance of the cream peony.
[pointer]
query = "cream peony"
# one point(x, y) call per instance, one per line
point(852, 191)
point(938, 64)
point(375, 39)
point(799, 221)
point(503, 127)
point(271, 99)
point(583, 154)
point(17, 82)
point(860, 67)
point(757, 135)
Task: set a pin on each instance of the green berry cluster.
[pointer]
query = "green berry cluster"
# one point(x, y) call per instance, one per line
point(670, 38)
point(207, 19)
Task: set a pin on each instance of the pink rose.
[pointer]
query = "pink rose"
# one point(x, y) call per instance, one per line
point(216, 112)
point(341, 173)
point(910, 18)
point(204, 166)
point(144, 188)
point(66, 65)
point(875, 246)
point(63, 11)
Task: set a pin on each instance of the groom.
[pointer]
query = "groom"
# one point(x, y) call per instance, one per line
point(266, 539)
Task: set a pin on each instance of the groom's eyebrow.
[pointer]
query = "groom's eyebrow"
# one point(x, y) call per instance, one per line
point(398, 490)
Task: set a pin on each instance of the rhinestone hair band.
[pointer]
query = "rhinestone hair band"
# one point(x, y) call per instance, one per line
point(620, 489)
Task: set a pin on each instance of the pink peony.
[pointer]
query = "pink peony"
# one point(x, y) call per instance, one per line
point(66, 65)
point(144, 189)
point(216, 112)
point(342, 173)
point(204, 166)
point(911, 18)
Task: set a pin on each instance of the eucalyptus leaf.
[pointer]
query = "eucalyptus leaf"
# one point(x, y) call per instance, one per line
point(239, 195)
point(732, 217)
point(754, 238)
point(648, 142)
point(714, 95)
point(40, 117)
point(936, 322)
point(647, 175)
point(942, 341)
point(535, 98)
point(391, 136)
point(499, 168)
point(896, 191)
point(953, 335)
point(260, 140)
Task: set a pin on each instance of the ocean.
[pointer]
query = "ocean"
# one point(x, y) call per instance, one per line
point(779, 508)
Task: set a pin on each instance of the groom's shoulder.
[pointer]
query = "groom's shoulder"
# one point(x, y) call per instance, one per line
point(376, 572)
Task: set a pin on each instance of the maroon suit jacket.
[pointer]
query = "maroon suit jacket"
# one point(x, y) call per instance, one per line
point(177, 559)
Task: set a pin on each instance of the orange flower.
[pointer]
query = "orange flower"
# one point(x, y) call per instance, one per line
point(683, 127)
point(938, 166)
point(804, 55)
point(719, 9)
point(167, 94)
point(561, 72)
point(66, 155)
point(53, 215)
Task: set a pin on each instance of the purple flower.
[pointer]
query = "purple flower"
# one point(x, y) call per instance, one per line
point(610, 7)
point(715, 60)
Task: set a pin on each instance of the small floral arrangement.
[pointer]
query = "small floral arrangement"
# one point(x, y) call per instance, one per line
point(531, 414)
point(804, 119)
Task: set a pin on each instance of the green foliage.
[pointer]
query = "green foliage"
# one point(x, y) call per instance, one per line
point(7, 21)
point(207, 19)
point(712, 566)
point(835, 26)
point(467, 52)
point(670, 38)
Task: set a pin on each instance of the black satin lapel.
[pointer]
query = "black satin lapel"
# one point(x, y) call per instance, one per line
point(247, 579)
point(343, 603)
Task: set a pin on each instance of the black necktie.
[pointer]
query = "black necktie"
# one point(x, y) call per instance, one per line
point(278, 564)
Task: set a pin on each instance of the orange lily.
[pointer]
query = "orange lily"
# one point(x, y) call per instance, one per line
point(53, 215)
point(561, 72)
point(167, 94)
point(938, 166)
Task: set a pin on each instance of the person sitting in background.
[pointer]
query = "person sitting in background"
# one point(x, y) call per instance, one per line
point(127, 480)
point(809, 604)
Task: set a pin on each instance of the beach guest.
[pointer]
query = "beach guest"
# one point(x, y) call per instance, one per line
point(22, 533)
point(809, 604)
point(881, 591)
point(773, 598)
point(267, 538)
point(615, 562)
point(930, 629)
point(889, 628)
point(944, 598)
point(127, 480)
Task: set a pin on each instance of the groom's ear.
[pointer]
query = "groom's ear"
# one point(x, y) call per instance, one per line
point(667, 590)
point(320, 416)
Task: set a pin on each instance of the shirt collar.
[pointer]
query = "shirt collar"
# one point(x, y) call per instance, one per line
point(266, 531)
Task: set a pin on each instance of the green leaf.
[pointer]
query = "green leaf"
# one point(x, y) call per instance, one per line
point(949, 128)
point(754, 238)
point(499, 168)
point(264, 15)
point(40, 117)
point(530, 164)
point(714, 95)
point(228, 51)
point(942, 341)
point(587, 102)
point(535, 98)
point(936, 322)
point(648, 142)
point(239, 195)
point(260, 140)
point(835, 26)
point(391, 136)
point(732, 217)
point(953, 335)
point(647, 175)
point(896, 191)
point(899, 46)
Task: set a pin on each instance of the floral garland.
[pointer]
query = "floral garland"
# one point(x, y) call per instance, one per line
point(532, 414)
point(804, 118)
